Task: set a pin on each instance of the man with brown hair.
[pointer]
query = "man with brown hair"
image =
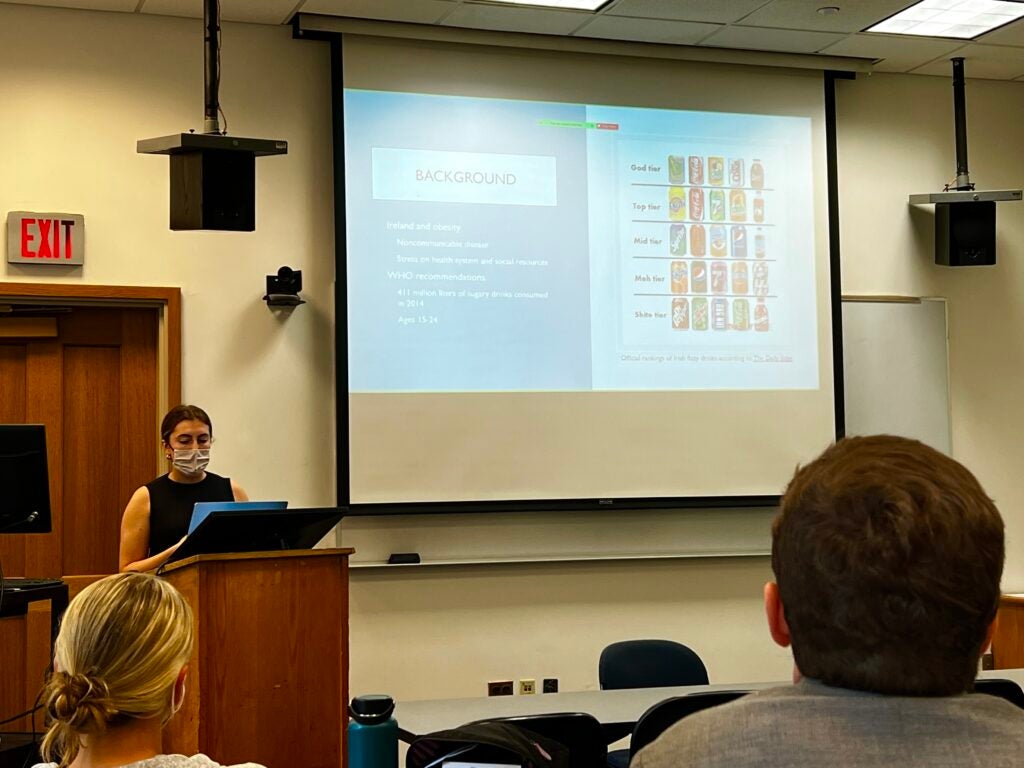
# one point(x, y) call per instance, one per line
point(887, 558)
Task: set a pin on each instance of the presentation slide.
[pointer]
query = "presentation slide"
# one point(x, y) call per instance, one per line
point(497, 245)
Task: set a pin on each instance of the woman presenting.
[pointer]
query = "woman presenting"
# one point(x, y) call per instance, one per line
point(157, 516)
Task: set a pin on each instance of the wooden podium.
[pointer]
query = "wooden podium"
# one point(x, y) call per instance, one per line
point(268, 677)
point(1008, 640)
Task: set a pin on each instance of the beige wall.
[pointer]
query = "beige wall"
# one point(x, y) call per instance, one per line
point(79, 88)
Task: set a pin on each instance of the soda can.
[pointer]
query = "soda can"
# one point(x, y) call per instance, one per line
point(761, 316)
point(757, 175)
point(760, 278)
point(760, 246)
point(719, 277)
point(680, 314)
point(759, 208)
point(739, 242)
point(717, 205)
point(718, 241)
point(696, 169)
point(698, 240)
point(679, 282)
point(716, 171)
point(676, 169)
point(676, 203)
point(736, 172)
point(677, 239)
point(741, 314)
point(737, 205)
point(700, 314)
point(720, 315)
point(739, 277)
point(696, 203)
point(699, 277)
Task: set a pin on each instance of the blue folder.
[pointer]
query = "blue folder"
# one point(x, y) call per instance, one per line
point(202, 509)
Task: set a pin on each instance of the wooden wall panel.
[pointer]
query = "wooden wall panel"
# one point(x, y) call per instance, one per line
point(13, 395)
point(139, 393)
point(44, 379)
point(92, 436)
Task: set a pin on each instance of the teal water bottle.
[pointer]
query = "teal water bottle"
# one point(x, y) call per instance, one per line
point(372, 733)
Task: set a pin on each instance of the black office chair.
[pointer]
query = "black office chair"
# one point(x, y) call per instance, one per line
point(649, 664)
point(1004, 689)
point(661, 716)
point(581, 734)
point(645, 664)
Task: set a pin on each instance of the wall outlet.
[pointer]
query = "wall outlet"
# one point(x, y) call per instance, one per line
point(527, 687)
point(988, 661)
point(550, 685)
point(499, 688)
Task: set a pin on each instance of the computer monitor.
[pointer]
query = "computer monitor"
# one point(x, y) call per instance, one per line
point(262, 530)
point(24, 479)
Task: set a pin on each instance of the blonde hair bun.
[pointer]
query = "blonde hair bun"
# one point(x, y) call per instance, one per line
point(81, 702)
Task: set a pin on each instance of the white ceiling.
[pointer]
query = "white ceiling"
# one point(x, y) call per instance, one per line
point(775, 25)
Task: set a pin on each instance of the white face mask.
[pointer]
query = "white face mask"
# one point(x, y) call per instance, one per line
point(191, 461)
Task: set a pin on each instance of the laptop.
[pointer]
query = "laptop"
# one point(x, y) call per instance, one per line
point(202, 509)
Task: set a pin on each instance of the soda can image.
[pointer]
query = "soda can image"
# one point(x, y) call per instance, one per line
point(696, 169)
point(717, 205)
point(677, 239)
point(676, 203)
point(696, 203)
point(680, 314)
point(699, 277)
point(720, 315)
point(676, 169)
point(716, 171)
point(719, 277)
point(760, 278)
point(760, 246)
point(739, 277)
point(741, 314)
point(718, 241)
point(698, 240)
point(739, 242)
point(679, 282)
point(761, 316)
point(757, 175)
point(700, 314)
point(737, 205)
point(736, 176)
point(759, 208)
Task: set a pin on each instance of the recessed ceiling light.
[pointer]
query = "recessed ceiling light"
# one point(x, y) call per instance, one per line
point(964, 19)
point(829, 10)
point(575, 5)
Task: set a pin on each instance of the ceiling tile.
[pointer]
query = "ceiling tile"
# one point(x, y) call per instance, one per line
point(415, 11)
point(1011, 34)
point(853, 16)
point(647, 30)
point(258, 11)
point(715, 11)
point(128, 6)
point(761, 39)
point(991, 62)
point(898, 54)
point(513, 19)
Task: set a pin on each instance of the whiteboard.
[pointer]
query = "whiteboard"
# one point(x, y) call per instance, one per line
point(896, 381)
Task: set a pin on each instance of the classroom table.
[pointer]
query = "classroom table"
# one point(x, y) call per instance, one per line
point(613, 709)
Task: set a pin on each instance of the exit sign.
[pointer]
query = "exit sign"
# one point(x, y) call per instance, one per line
point(45, 238)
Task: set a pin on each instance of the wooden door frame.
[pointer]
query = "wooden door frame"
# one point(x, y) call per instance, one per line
point(166, 300)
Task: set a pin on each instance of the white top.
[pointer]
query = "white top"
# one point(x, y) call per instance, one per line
point(171, 761)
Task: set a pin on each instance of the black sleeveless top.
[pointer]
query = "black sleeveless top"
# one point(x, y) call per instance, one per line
point(170, 506)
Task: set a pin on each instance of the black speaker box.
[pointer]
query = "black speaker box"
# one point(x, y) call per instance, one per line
point(213, 189)
point(965, 234)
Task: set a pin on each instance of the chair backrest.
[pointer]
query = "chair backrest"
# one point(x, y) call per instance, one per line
point(581, 734)
point(1004, 689)
point(667, 713)
point(650, 664)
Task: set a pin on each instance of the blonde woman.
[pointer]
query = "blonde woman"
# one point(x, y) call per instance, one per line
point(119, 676)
